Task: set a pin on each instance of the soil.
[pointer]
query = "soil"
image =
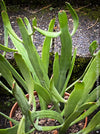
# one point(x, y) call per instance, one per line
point(48, 122)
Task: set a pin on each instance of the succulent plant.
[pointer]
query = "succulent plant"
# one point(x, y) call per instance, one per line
point(34, 77)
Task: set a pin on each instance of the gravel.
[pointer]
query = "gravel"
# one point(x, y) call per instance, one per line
point(81, 40)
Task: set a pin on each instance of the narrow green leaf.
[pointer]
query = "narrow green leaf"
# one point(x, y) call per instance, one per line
point(26, 74)
point(6, 73)
point(48, 34)
point(66, 49)
point(75, 18)
point(12, 130)
point(74, 99)
point(47, 114)
point(93, 46)
point(3, 6)
point(56, 69)
point(5, 64)
point(21, 99)
point(34, 23)
point(5, 38)
point(7, 117)
point(87, 112)
point(91, 75)
point(44, 93)
point(69, 73)
point(46, 47)
point(94, 95)
point(21, 127)
point(6, 49)
point(73, 117)
point(55, 93)
point(5, 87)
point(92, 124)
point(8, 25)
point(33, 55)
point(21, 50)
point(46, 128)
point(28, 26)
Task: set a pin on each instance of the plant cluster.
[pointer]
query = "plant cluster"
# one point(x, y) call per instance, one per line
point(34, 77)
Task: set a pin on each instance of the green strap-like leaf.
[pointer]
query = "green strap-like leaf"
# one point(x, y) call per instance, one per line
point(47, 114)
point(7, 117)
point(66, 49)
point(91, 75)
point(3, 6)
point(12, 130)
point(74, 99)
point(5, 64)
point(5, 38)
point(94, 95)
point(55, 93)
point(28, 26)
point(56, 70)
point(34, 23)
point(6, 73)
point(69, 73)
point(44, 93)
point(21, 99)
point(48, 34)
point(46, 47)
point(5, 87)
point(92, 124)
point(8, 25)
point(6, 49)
point(75, 18)
point(93, 46)
point(87, 112)
point(26, 74)
point(33, 55)
point(21, 127)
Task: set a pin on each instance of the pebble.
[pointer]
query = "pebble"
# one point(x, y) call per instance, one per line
point(81, 39)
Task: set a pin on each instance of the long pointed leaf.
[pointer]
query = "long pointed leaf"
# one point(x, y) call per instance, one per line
point(75, 18)
point(26, 74)
point(66, 48)
point(46, 47)
point(69, 73)
point(8, 25)
point(42, 92)
point(92, 124)
point(74, 98)
point(21, 127)
point(48, 34)
point(9, 67)
point(6, 73)
point(12, 130)
point(4, 48)
point(56, 70)
point(33, 55)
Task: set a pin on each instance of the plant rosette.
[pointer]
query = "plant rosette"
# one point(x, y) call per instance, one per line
point(17, 115)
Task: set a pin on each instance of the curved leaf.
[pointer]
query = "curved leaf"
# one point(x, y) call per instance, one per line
point(75, 18)
point(47, 33)
point(4, 48)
